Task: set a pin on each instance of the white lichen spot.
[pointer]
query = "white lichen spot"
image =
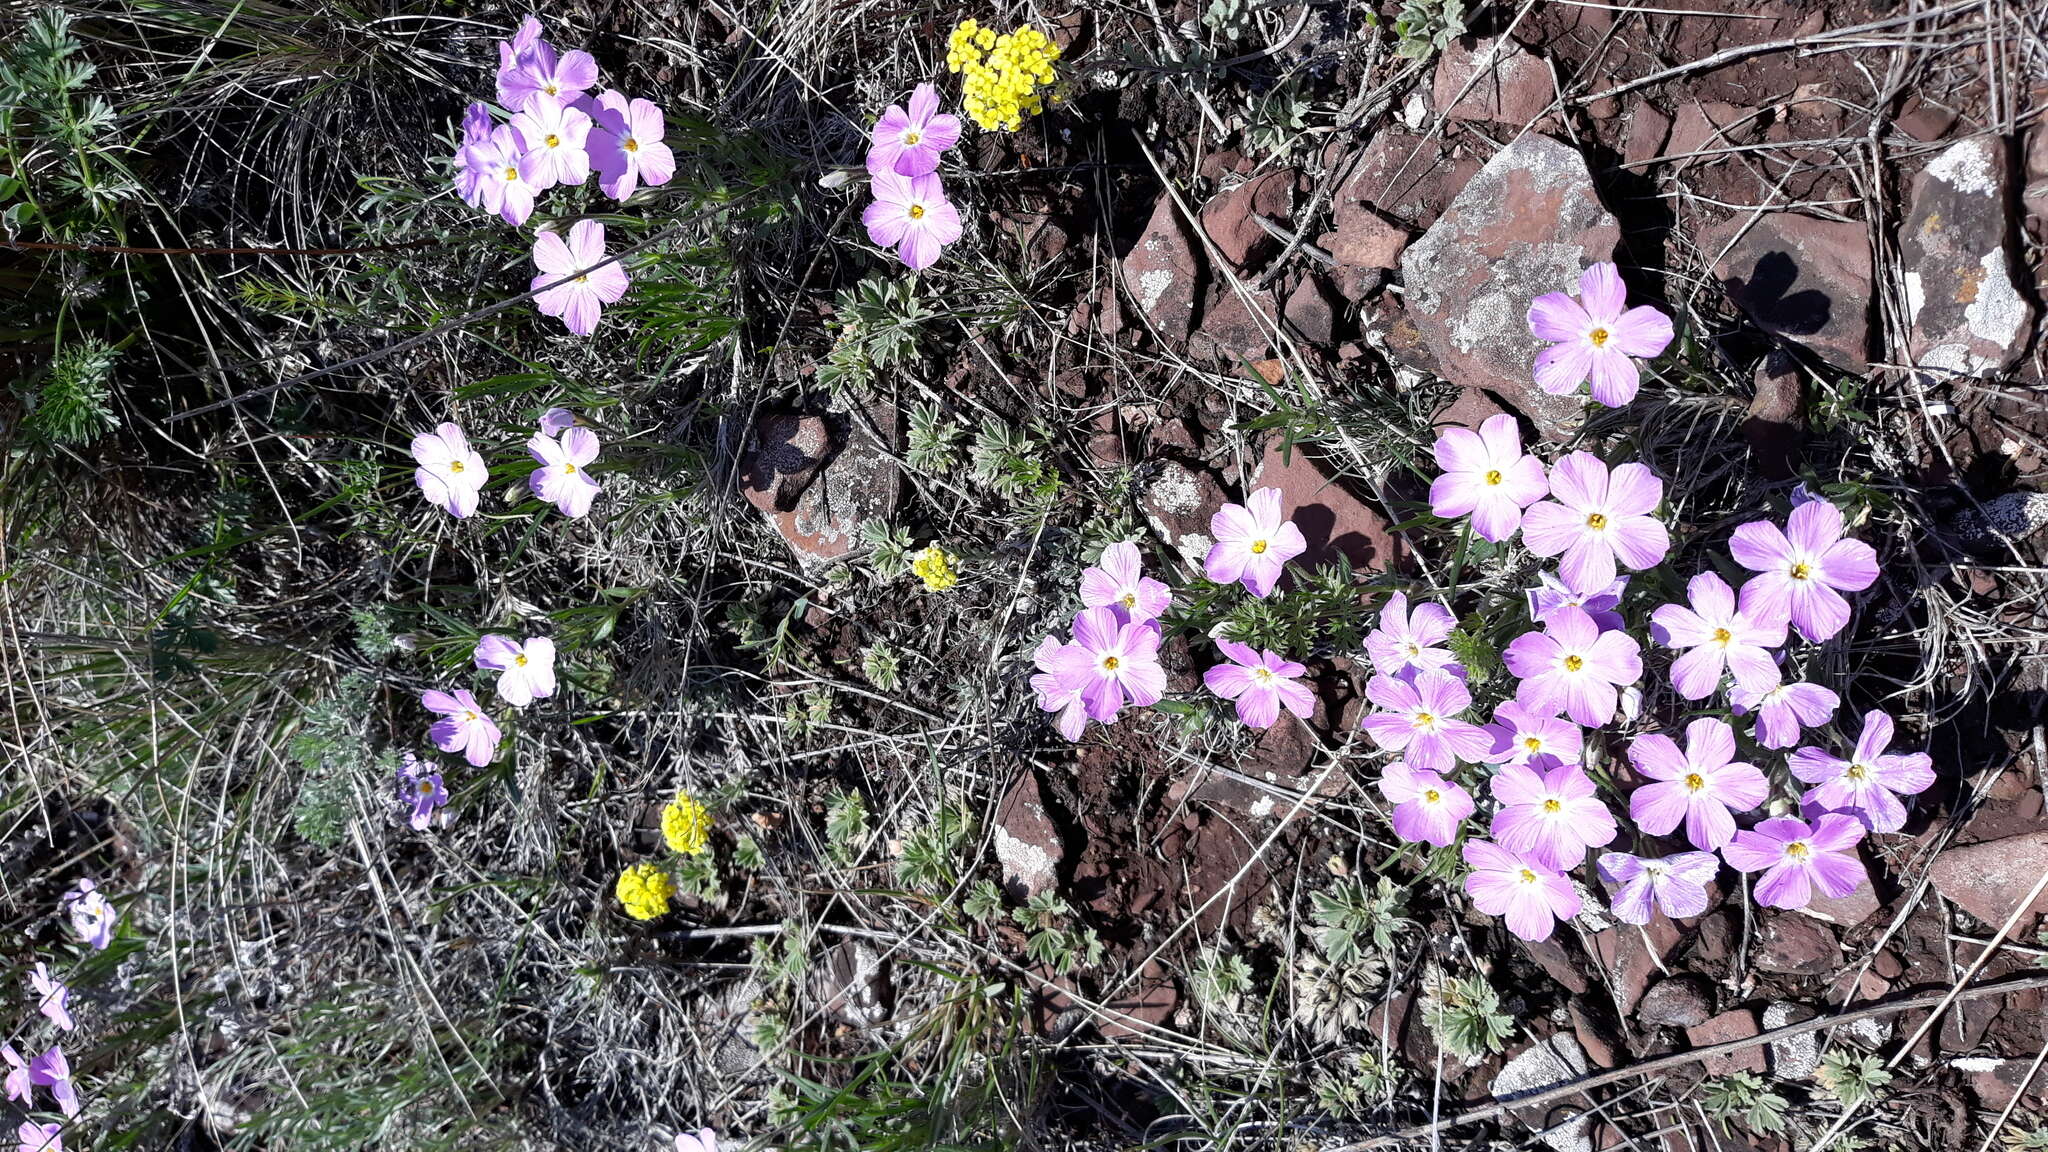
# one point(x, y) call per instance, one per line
point(1968, 167)
point(1916, 295)
point(1024, 864)
point(1263, 806)
point(1152, 285)
point(1998, 313)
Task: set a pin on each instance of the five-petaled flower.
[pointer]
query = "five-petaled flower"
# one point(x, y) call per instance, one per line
point(529, 67)
point(1427, 808)
point(1552, 593)
point(463, 726)
point(92, 916)
point(1525, 735)
point(575, 282)
point(910, 143)
point(1406, 641)
point(1796, 858)
point(34, 1137)
point(1261, 683)
point(52, 1071)
point(563, 478)
point(1551, 817)
point(1868, 784)
point(1487, 476)
point(1254, 541)
point(53, 996)
point(1057, 693)
point(552, 138)
point(451, 474)
point(625, 144)
point(1717, 634)
point(1420, 721)
point(1596, 336)
point(1783, 710)
point(1573, 666)
point(420, 786)
point(912, 215)
point(1803, 569)
point(498, 185)
point(1702, 787)
point(1110, 660)
point(1595, 517)
point(527, 669)
point(1119, 581)
point(1675, 885)
point(1529, 896)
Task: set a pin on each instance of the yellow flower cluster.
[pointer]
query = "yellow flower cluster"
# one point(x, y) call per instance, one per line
point(934, 566)
point(1005, 74)
point(645, 890)
point(686, 824)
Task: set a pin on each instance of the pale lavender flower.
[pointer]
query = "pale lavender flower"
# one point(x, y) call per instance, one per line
point(579, 302)
point(537, 71)
point(1110, 660)
point(527, 669)
point(1487, 476)
point(1253, 542)
point(1675, 885)
point(1420, 720)
point(1528, 896)
point(1540, 740)
point(1573, 666)
point(18, 1085)
point(92, 917)
point(1552, 593)
point(1406, 641)
point(1702, 787)
point(553, 141)
point(1427, 808)
point(1595, 518)
point(52, 1071)
point(563, 478)
point(1551, 817)
point(420, 786)
point(463, 726)
point(910, 143)
point(1869, 784)
point(53, 996)
point(1261, 683)
point(1119, 581)
point(702, 1140)
point(1783, 710)
point(1796, 858)
point(509, 51)
point(556, 421)
point(1055, 694)
point(34, 1137)
point(469, 177)
point(1596, 336)
point(625, 144)
point(912, 215)
point(499, 187)
point(451, 474)
point(1716, 635)
point(1803, 570)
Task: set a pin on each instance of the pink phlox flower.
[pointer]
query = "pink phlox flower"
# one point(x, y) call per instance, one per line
point(451, 475)
point(34, 1137)
point(553, 140)
point(579, 302)
point(1427, 808)
point(556, 421)
point(420, 786)
point(1529, 896)
point(1595, 518)
point(912, 215)
point(1254, 541)
point(1717, 635)
point(1803, 570)
point(527, 668)
point(1782, 710)
point(92, 916)
point(1420, 720)
point(53, 996)
point(18, 1083)
point(1551, 817)
point(470, 176)
point(910, 143)
point(1261, 683)
point(1869, 784)
point(625, 144)
point(702, 1140)
point(1540, 740)
point(1119, 580)
point(1675, 885)
point(52, 1071)
point(1552, 593)
point(1057, 693)
point(1597, 336)
point(563, 478)
point(463, 726)
point(1487, 476)
point(499, 187)
point(1574, 667)
point(1796, 858)
point(1406, 641)
point(1702, 787)
point(1117, 659)
point(534, 69)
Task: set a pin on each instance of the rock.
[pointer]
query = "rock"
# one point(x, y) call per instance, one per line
point(1234, 329)
point(1333, 521)
point(858, 483)
point(1179, 502)
point(789, 448)
point(1546, 1064)
point(1053, 1010)
point(1527, 224)
point(1365, 239)
point(1804, 279)
point(1794, 1057)
point(1775, 425)
point(1500, 82)
point(1146, 1004)
point(1966, 310)
point(1402, 175)
point(1794, 944)
point(853, 984)
point(1027, 842)
point(1647, 130)
point(1310, 313)
point(1847, 911)
point(1923, 121)
point(1230, 218)
point(1628, 962)
point(1682, 1001)
point(1164, 272)
point(1594, 1031)
point(1551, 956)
point(1990, 879)
point(1736, 1024)
point(2005, 520)
point(1704, 127)
point(1997, 1081)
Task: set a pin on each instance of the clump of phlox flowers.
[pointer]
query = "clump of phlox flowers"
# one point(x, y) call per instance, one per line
point(686, 824)
point(911, 213)
point(935, 566)
point(644, 890)
point(1005, 74)
point(1597, 337)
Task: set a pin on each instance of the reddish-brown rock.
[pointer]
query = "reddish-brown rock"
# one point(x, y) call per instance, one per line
point(1968, 316)
point(1991, 879)
point(858, 483)
point(1179, 501)
point(1802, 278)
point(1494, 80)
point(1145, 1004)
point(1333, 521)
point(1230, 218)
point(1681, 1001)
point(1795, 944)
point(1647, 130)
point(1164, 273)
point(1736, 1024)
point(1403, 175)
point(1365, 239)
point(1027, 842)
point(789, 448)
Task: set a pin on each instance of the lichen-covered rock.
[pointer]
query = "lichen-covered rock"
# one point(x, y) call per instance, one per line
point(1164, 271)
point(1968, 315)
point(1179, 502)
point(860, 482)
point(1027, 843)
point(1802, 278)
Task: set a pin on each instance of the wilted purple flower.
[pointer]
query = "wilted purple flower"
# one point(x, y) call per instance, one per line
point(563, 478)
point(702, 1140)
point(463, 726)
point(499, 187)
point(1528, 896)
point(1111, 659)
point(92, 917)
point(420, 786)
point(1254, 541)
point(51, 1070)
point(912, 215)
point(1573, 666)
point(1061, 696)
point(1551, 817)
point(910, 143)
point(1868, 785)
point(1260, 682)
point(450, 474)
point(1795, 858)
point(469, 178)
point(1427, 808)
point(1781, 711)
point(1552, 593)
point(1406, 641)
point(34, 1137)
point(1717, 634)
point(1119, 581)
point(625, 144)
point(509, 51)
point(53, 996)
point(1596, 336)
point(1594, 518)
point(556, 421)
point(1675, 885)
point(528, 668)
point(1701, 787)
point(17, 1074)
point(552, 143)
point(1486, 475)
point(1420, 720)
point(1525, 735)
point(535, 69)
point(1803, 570)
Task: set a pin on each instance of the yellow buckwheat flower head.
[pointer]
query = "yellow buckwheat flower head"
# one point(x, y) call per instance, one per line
point(1002, 73)
point(934, 566)
point(686, 824)
point(645, 890)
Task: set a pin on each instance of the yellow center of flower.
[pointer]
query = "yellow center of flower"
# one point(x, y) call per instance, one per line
point(455, 465)
point(1798, 850)
point(1263, 675)
point(471, 716)
point(1574, 663)
point(910, 138)
point(567, 470)
point(1801, 572)
point(1432, 796)
point(1694, 781)
point(1552, 805)
point(1723, 637)
point(520, 659)
point(1598, 337)
point(1130, 600)
point(554, 141)
point(632, 145)
point(1856, 772)
point(917, 211)
point(552, 90)
point(1493, 476)
point(1533, 743)
point(511, 173)
point(1414, 649)
point(1110, 663)
point(1424, 719)
point(1597, 521)
point(1528, 877)
point(1258, 547)
point(426, 787)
